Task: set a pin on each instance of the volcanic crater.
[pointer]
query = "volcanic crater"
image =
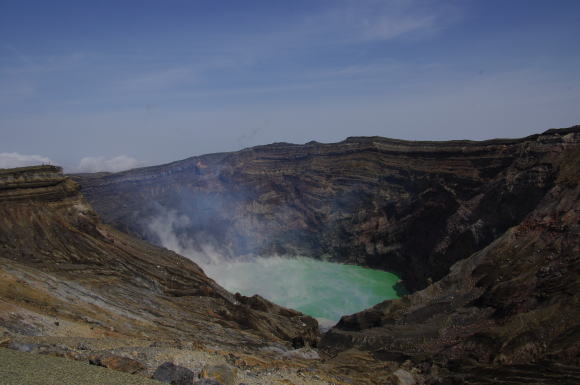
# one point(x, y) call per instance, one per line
point(483, 234)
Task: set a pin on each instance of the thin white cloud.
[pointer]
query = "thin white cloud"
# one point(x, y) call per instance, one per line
point(375, 69)
point(22, 57)
point(380, 20)
point(385, 27)
point(17, 89)
point(14, 159)
point(115, 164)
point(385, 20)
point(42, 64)
point(160, 79)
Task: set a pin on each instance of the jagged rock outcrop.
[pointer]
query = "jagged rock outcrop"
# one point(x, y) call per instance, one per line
point(414, 208)
point(63, 272)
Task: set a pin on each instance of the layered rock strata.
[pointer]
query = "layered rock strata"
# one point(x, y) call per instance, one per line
point(414, 208)
point(65, 272)
point(488, 229)
point(510, 311)
point(73, 287)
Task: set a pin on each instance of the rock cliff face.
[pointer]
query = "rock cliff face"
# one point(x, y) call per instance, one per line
point(64, 272)
point(510, 311)
point(414, 208)
point(493, 224)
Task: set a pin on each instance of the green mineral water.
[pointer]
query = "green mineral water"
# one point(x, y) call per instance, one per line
point(323, 290)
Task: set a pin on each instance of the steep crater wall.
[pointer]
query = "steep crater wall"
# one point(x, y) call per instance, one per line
point(59, 264)
point(509, 311)
point(413, 208)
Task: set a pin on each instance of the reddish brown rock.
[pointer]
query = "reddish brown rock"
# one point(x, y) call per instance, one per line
point(223, 374)
point(119, 363)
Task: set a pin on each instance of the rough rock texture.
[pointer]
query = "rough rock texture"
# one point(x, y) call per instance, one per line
point(494, 224)
point(497, 221)
point(413, 208)
point(510, 311)
point(118, 363)
point(221, 373)
point(63, 272)
point(174, 374)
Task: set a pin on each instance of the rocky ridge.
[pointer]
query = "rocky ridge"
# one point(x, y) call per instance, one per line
point(413, 208)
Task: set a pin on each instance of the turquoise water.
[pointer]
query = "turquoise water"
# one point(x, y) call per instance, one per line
point(323, 290)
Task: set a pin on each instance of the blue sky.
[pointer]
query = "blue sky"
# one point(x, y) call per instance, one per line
point(114, 84)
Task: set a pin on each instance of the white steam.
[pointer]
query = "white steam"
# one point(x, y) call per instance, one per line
point(166, 228)
point(324, 290)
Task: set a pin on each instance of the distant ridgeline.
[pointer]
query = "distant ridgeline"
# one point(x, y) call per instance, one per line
point(413, 208)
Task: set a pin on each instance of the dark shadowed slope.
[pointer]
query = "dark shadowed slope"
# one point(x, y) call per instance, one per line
point(509, 312)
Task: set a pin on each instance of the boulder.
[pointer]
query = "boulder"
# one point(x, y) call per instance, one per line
point(222, 373)
point(404, 377)
point(119, 363)
point(122, 364)
point(170, 373)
